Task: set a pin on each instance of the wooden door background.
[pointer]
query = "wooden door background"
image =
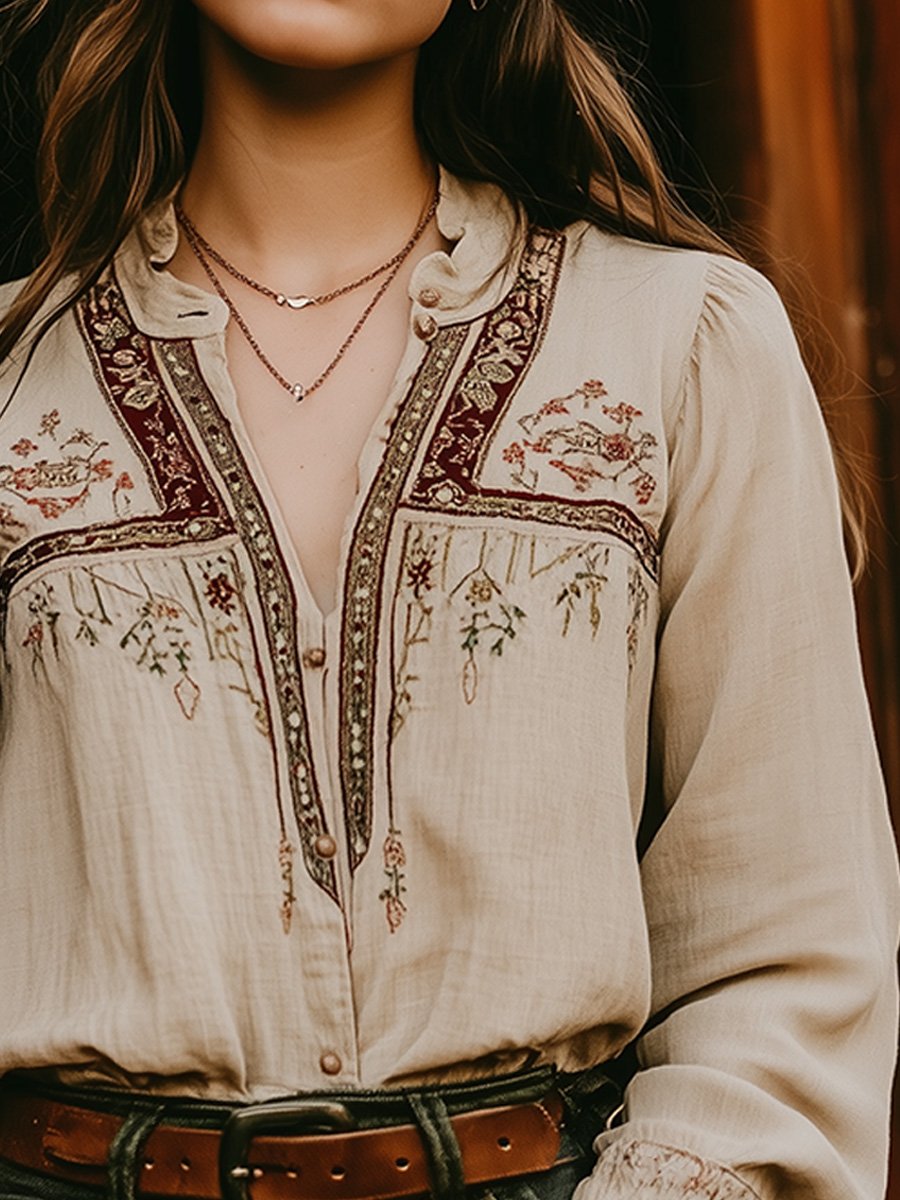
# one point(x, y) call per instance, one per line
point(791, 110)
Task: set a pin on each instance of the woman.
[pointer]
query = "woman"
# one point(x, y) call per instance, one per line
point(403, 501)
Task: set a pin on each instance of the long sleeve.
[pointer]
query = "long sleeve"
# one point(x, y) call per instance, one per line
point(770, 887)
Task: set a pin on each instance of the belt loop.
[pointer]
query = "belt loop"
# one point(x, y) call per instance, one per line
point(444, 1158)
point(126, 1152)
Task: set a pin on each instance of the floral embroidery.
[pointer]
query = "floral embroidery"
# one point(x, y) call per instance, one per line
point(49, 423)
point(586, 583)
point(630, 1167)
point(582, 447)
point(157, 630)
point(418, 578)
point(639, 599)
point(220, 592)
point(223, 617)
point(419, 570)
point(75, 462)
point(492, 618)
point(121, 499)
point(45, 615)
point(394, 861)
point(450, 479)
point(158, 635)
point(73, 469)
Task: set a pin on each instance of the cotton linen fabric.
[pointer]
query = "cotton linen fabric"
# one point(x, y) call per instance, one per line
point(593, 577)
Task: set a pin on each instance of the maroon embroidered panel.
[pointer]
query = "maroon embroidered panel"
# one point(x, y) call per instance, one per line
point(448, 480)
point(131, 379)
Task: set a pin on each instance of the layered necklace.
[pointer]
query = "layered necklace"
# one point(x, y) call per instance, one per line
point(207, 254)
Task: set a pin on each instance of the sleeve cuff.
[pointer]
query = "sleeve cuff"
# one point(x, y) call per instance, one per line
point(640, 1170)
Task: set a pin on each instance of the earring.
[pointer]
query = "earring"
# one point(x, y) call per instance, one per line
point(478, 5)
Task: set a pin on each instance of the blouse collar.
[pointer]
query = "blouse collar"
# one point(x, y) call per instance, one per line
point(477, 217)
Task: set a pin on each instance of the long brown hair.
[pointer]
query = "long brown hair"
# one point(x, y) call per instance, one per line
point(515, 95)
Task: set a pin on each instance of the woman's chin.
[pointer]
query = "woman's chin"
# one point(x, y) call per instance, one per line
point(324, 35)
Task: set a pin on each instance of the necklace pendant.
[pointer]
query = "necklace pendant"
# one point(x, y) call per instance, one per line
point(298, 391)
point(295, 302)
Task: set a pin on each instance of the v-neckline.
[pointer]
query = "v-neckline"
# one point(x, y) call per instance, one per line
point(374, 447)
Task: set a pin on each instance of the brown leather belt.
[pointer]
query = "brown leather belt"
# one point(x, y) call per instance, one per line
point(73, 1143)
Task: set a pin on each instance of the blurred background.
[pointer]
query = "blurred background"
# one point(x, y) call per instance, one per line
point(780, 121)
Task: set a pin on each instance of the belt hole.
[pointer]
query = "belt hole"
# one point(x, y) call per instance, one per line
point(292, 1172)
point(185, 1164)
point(257, 1173)
point(338, 1172)
point(149, 1164)
point(402, 1164)
point(504, 1143)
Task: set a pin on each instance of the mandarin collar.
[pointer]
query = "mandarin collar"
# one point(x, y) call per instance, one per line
point(445, 288)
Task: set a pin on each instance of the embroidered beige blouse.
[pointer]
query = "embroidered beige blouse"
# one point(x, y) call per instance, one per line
point(245, 850)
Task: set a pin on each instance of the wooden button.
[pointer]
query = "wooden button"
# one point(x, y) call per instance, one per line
point(330, 1063)
point(425, 326)
point(314, 658)
point(429, 297)
point(326, 846)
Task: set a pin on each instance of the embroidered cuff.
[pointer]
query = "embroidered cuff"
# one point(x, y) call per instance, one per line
point(638, 1170)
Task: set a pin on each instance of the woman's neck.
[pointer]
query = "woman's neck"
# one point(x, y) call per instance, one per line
point(306, 174)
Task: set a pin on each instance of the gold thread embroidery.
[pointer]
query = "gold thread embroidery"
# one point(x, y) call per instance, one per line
point(362, 598)
point(279, 606)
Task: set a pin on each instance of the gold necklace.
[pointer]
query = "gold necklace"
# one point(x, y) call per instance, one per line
point(297, 390)
point(303, 301)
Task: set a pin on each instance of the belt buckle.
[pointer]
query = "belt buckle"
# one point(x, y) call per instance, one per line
point(285, 1117)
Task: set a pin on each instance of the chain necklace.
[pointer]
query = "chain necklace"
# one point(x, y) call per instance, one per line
point(302, 301)
point(297, 390)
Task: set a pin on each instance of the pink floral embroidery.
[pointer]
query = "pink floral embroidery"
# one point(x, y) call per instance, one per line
point(102, 469)
point(622, 413)
point(50, 507)
point(617, 447)
point(593, 388)
point(555, 408)
point(49, 423)
point(68, 470)
point(34, 636)
point(632, 1168)
point(394, 860)
point(514, 454)
point(584, 447)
